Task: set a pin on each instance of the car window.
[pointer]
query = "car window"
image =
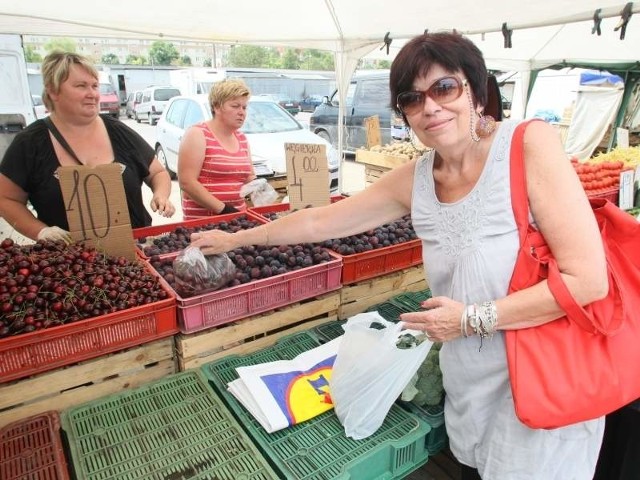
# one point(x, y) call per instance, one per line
point(164, 94)
point(265, 117)
point(146, 97)
point(175, 114)
point(374, 92)
point(138, 97)
point(194, 114)
point(351, 92)
point(37, 100)
point(106, 88)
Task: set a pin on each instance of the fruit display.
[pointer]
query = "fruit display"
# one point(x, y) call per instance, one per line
point(180, 237)
point(597, 178)
point(252, 263)
point(47, 283)
point(629, 156)
point(405, 150)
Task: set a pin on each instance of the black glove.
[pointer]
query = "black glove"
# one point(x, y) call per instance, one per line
point(228, 209)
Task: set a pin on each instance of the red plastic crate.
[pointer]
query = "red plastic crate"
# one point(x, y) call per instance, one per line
point(30, 353)
point(374, 263)
point(32, 448)
point(229, 304)
point(611, 195)
point(156, 230)
point(282, 207)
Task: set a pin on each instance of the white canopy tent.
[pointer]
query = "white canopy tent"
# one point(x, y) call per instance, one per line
point(544, 32)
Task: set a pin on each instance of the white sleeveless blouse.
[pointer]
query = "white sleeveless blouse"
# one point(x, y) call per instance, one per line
point(469, 251)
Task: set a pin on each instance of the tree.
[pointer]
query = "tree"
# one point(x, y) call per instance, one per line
point(62, 44)
point(185, 60)
point(290, 60)
point(31, 56)
point(110, 59)
point(135, 60)
point(248, 56)
point(313, 59)
point(163, 53)
point(207, 62)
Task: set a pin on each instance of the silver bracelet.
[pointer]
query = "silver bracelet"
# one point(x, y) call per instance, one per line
point(468, 313)
point(487, 319)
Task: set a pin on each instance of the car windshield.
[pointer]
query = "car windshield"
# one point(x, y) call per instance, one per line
point(165, 94)
point(106, 88)
point(266, 117)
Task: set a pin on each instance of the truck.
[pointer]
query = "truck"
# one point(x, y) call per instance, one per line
point(16, 105)
point(194, 81)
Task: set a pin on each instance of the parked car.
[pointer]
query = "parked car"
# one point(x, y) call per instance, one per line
point(267, 127)
point(133, 100)
point(309, 104)
point(154, 99)
point(109, 101)
point(367, 95)
point(38, 106)
point(290, 105)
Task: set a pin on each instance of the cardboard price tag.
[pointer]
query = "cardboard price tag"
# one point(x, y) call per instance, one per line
point(97, 209)
point(307, 174)
point(372, 129)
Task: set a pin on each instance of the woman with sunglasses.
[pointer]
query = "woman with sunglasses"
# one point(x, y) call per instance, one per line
point(458, 195)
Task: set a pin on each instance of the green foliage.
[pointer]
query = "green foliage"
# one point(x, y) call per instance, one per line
point(184, 60)
point(207, 62)
point(62, 44)
point(290, 60)
point(249, 56)
point(110, 59)
point(317, 60)
point(31, 56)
point(163, 53)
point(136, 60)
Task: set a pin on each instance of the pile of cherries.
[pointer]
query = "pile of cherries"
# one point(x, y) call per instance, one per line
point(252, 263)
point(180, 237)
point(49, 283)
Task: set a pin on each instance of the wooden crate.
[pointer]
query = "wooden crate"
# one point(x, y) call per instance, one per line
point(256, 332)
point(358, 297)
point(82, 382)
point(377, 164)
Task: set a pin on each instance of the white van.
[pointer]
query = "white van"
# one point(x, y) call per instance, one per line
point(16, 104)
point(154, 99)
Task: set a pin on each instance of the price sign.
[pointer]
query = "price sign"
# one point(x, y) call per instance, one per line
point(97, 209)
point(622, 135)
point(307, 174)
point(372, 129)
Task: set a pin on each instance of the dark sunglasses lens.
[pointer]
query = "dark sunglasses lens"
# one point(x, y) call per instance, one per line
point(445, 90)
point(410, 101)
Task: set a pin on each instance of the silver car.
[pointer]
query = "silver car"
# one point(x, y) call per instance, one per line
point(267, 127)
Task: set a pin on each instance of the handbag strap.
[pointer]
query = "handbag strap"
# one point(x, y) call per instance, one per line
point(520, 206)
point(61, 140)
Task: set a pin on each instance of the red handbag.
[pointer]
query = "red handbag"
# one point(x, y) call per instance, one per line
point(587, 363)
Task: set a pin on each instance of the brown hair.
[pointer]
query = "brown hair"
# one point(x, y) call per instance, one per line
point(451, 51)
point(226, 90)
point(55, 71)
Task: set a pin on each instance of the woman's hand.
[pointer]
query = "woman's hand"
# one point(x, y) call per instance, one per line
point(213, 241)
point(162, 205)
point(440, 321)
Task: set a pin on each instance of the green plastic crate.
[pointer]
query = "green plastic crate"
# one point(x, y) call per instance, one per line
point(437, 438)
point(388, 311)
point(410, 301)
point(318, 448)
point(175, 428)
point(329, 331)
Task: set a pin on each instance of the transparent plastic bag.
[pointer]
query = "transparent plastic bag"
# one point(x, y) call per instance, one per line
point(372, 368)
point(196, 273)
point(260, 192)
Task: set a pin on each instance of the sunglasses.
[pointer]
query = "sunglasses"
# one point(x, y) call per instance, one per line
point(442, 91)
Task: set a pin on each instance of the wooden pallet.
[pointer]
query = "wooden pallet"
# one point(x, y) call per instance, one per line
point(254, 333)
point(85, 381)
point(358, 297)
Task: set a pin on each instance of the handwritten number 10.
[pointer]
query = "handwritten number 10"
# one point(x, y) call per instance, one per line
point(83, 200)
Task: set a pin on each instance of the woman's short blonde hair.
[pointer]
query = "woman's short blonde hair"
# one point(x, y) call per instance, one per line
point(55, 70)
point(226, 90)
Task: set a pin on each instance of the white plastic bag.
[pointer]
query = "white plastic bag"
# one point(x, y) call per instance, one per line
point(260, 191)
point(370, 372)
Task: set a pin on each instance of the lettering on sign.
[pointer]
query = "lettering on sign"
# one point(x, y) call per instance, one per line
point(307, 175)
point(96, 208)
